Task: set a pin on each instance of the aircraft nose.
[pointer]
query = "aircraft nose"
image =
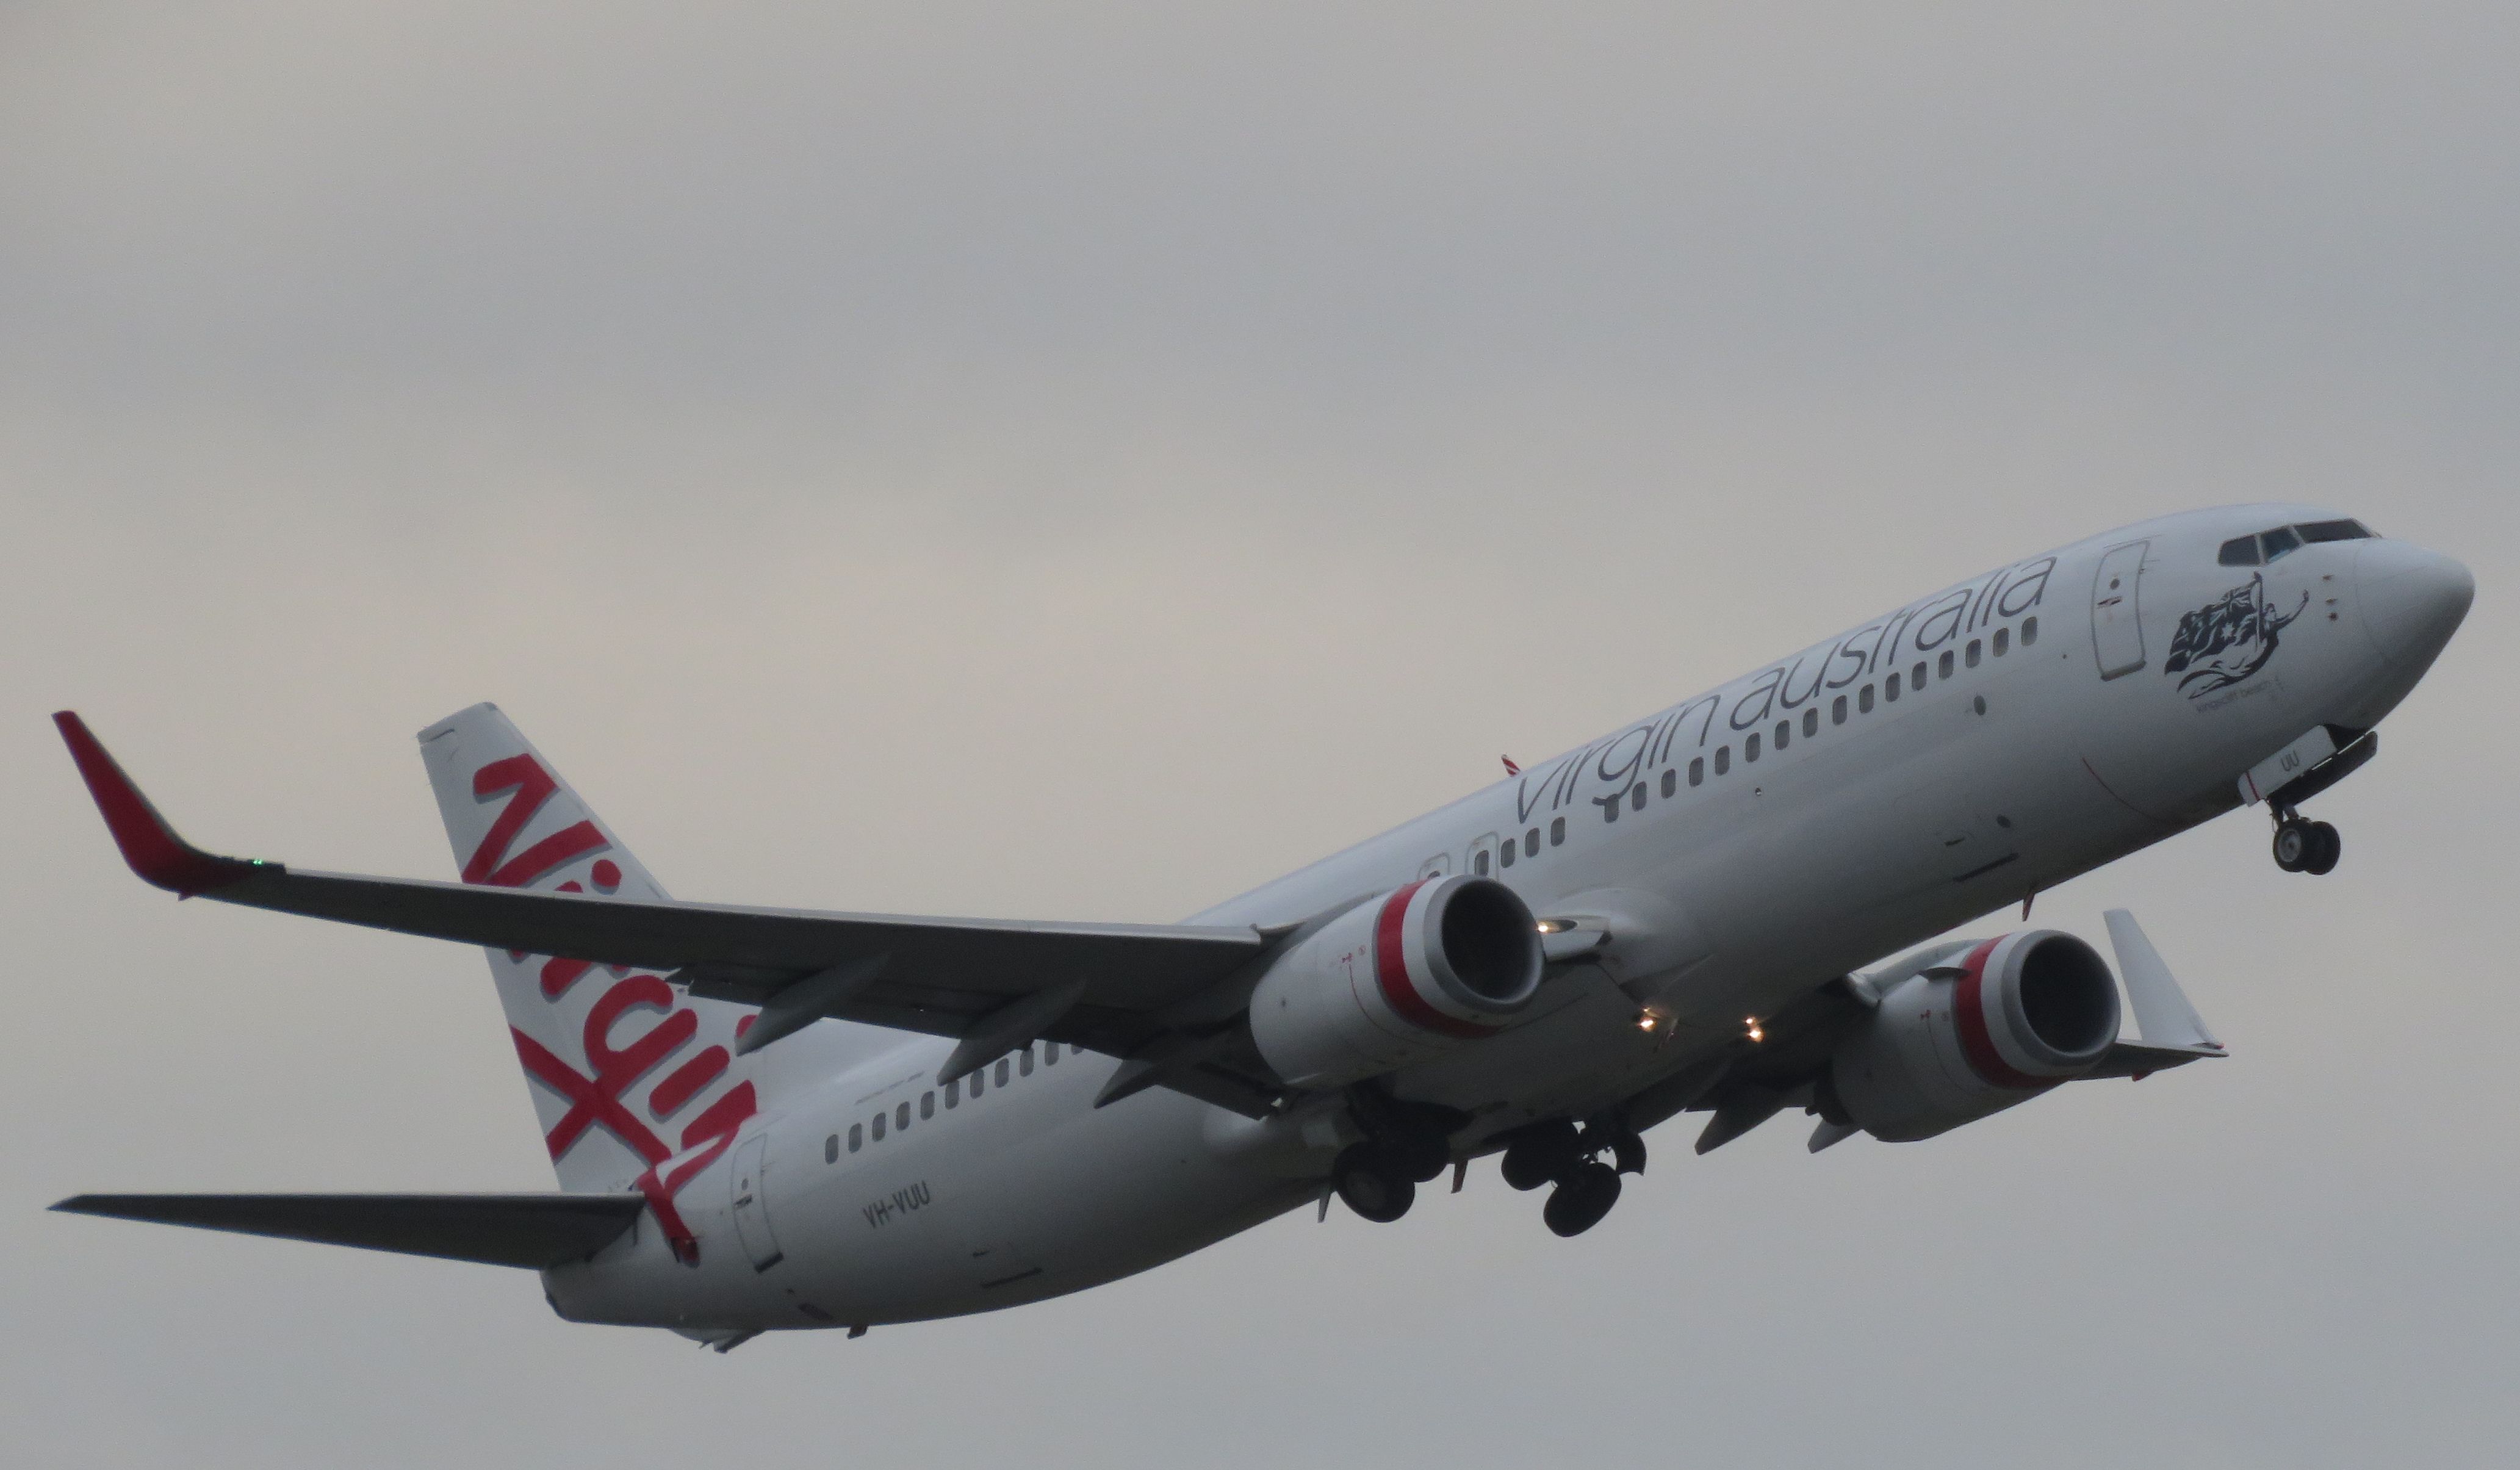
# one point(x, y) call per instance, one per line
point(2411, 599)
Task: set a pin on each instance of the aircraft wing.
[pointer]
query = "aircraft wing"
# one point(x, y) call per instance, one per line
point(1110, 988)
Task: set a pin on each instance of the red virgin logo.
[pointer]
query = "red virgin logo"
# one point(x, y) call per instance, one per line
point(619, 1056)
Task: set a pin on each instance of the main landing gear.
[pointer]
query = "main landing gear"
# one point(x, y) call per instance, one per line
point(1555, 1153)
point(1406, 1144)
point(2310, 847)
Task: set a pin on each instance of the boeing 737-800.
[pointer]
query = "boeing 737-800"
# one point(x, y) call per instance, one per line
point(768, 1118)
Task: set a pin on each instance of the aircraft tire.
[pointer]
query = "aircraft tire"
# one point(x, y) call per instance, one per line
point(2294, 846)
point(1370, 1185)
point(1578, 1203)
point(2326, 847)
point(1422, 1159)
point(1541, 1154)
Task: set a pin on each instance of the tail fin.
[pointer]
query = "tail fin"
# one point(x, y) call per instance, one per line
point(636, 1085)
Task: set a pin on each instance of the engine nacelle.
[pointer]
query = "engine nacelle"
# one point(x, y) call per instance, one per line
point(1421, 969)
point(1965, 1031)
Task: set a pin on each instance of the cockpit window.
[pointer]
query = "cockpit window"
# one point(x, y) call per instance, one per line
point(2266, 546)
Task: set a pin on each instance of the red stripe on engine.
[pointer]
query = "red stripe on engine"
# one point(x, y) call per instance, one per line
point(1391, 972)
point(1977, 1042)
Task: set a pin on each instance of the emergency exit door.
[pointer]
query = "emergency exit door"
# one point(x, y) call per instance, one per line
point(2117, 629)
point(749, 1183)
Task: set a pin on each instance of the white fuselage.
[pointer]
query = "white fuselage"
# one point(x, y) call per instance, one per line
point(1738, 880)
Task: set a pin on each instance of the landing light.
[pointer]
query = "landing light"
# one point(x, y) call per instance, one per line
point(1652, 1019)
point(1555, 926)
point(1756, 1032)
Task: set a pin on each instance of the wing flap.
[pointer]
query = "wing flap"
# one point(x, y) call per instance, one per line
point(529, 1230)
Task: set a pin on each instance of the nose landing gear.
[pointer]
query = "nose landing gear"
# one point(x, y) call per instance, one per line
point(2310, 847)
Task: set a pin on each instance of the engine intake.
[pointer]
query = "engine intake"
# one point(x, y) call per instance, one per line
point(1971, 1030)
point(1417, 970)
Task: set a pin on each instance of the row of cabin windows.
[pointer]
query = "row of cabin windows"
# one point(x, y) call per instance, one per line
point(1999, 644)
point(1529, 847)
point(1838, 715)
point(897, 1118)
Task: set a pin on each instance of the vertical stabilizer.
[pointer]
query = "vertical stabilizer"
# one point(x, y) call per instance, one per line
point(636, 1085)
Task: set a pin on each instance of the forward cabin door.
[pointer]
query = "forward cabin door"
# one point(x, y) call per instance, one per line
point(748, 1180)
point(2117, 631)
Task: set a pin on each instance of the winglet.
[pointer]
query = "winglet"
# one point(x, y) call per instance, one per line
point(148, 843)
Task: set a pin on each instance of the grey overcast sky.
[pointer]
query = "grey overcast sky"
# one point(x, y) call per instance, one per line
point(1080, 459)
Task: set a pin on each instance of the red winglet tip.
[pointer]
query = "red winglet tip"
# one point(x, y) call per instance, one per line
point(148, 843)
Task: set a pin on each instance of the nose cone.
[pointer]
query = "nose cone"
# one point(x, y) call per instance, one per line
point(2413, 600)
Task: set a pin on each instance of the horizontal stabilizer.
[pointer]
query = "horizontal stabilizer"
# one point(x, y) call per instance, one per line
point(2163, 1016)
point(2136, 1059)
point(531, 1231)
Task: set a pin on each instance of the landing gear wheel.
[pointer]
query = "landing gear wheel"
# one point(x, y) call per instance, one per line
point(2326, 847)
point(1422, 1159)
point(2294, 844)
point(1541, 1153)
point(1370, 1185)
point(1579, 1202)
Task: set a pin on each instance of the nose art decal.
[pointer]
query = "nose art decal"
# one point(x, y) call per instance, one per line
point(2228, 639)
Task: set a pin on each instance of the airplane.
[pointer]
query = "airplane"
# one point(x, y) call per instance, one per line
point(767, 1118)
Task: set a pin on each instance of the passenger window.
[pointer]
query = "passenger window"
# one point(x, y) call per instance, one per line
point(977, 1079)
point(2029, 631)
point(1863, 699)
point(857, 1136)
point(1049, 1052)
point(1916, 677)
point(1670, 782)
point(1531, 843)
point(832, 1149)
point(926, 1105)
point(1946, 666)
point(953, 1094)
point(1785, 734)
point(2279, 540)
point(879, 1128)
point(2002, 641)
point(1723, 759)
point(1479, 864)
point(2334, 530)
point(1890, 688)
point(1557, 830)
point(1698, 771)
point(1972, 652)
point(1636, 797)
point(1811, 718)
point(901, 1116)
point(1003, 1065)
point(1750, 749)
point(1505, 854)
point(2240, 551)
point(1023, 1061)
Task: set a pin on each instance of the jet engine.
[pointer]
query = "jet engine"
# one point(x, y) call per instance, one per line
point(1419, 970)
point(1967, 1030)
